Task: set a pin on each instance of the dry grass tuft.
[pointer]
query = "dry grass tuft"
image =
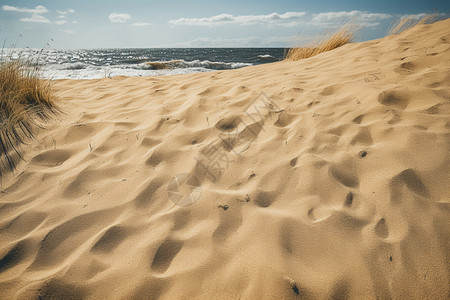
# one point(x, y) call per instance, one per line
point(329, 42)
point(24, 101)
point(404, 23)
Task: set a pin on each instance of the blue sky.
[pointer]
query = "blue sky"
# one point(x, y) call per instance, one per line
point(195, 23)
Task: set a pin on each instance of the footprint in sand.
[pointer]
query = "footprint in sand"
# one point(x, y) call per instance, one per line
point(405, 68)
point(358, 119)
point(348, 200)
point(165, 255)
point(312, 103)
point(228, 124)
point(344, 176)
point(411, 181)
point(284, 119)
point(293, 162)
point(265, 199)
point(394, 99)
point(381, 228)
point(319, 213)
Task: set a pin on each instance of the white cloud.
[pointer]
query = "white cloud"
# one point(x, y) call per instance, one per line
point(37, 10)
point(35, 13)
point(68, 31)
point(415, 16)
point(74, 22)
point(35, 18)
point(65, 12)
point(119, 18)
point(337, 18)
point(142, 24)
point(272, 19)
point(277, 41)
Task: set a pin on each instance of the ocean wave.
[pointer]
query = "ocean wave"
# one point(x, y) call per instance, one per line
point(99, 63)
point(152, 65)
point(182, 64)
point(126, 66)
point(133, 61)
point(266, 57)
point(71, 66)
point(96, 72)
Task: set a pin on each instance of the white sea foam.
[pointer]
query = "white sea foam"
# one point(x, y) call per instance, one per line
point(266, 57)
point(100, 63)
point(79, 70)
point(103, 72)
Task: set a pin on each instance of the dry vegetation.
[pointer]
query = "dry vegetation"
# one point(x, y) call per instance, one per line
point(346, 35)
point(402, 24)
point(24, 101)
point(328, 42)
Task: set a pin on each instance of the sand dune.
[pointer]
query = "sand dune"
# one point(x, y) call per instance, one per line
point(322, 178)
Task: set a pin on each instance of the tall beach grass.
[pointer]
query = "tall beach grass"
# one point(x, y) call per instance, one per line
point(404, 23)
point(346, 34)
point(25, 102)
point(330, 41)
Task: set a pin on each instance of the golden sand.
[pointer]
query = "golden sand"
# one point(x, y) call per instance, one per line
point(321, 178)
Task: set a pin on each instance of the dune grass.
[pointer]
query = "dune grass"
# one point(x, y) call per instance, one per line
point(25, 100)
point(342, 36)
point(346, 34)
point(405, 23)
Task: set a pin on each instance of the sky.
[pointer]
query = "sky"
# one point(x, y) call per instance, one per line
point(196, 23)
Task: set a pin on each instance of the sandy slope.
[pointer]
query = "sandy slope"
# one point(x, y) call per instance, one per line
point(338, 188)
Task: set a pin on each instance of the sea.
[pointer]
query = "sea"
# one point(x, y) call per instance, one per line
point(103, 63)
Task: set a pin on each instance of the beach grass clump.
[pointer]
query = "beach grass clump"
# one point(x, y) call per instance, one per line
point(25, 101)
point(327, 42)
point(404, 23)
